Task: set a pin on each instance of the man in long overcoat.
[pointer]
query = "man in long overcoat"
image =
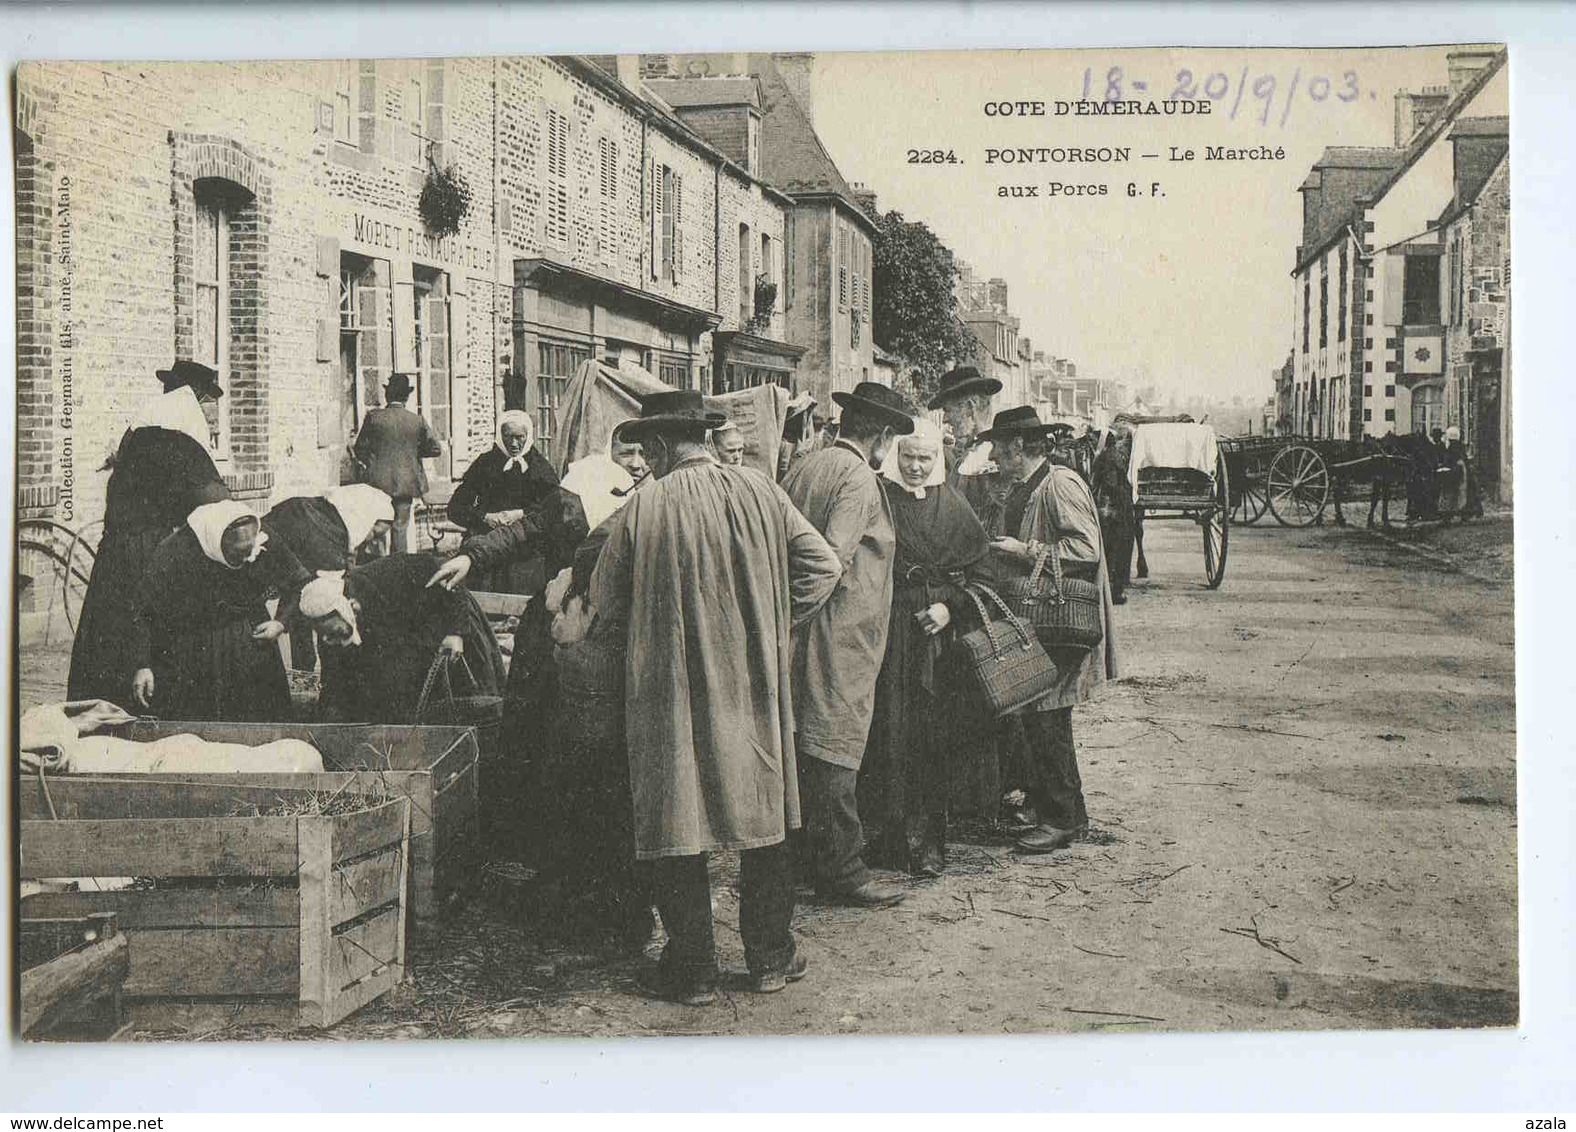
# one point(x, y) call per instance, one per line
point(389, 450)
point(1051, 506)
point(837, 657)
point(702, 577)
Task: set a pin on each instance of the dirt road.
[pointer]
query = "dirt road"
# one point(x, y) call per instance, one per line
point(1303, 792)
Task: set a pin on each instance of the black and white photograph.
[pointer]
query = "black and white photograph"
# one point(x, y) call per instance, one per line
point(820, 543)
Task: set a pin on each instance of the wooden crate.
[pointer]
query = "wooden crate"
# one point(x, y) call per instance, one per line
point(294, 919)
point(72, 973)
point(435, 767)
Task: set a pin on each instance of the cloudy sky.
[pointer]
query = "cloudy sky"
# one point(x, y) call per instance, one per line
point(1191, 290)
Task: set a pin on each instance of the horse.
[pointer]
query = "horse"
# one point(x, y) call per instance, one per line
point(1382, 466)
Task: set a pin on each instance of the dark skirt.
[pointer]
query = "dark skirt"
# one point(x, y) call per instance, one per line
point(219, 673)
point(928, 758)
point(103, 657)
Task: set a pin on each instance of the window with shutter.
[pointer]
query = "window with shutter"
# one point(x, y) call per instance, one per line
point(607, 231)
point(657, 213)
point(842, 268)
point(555, 226)
point(668, 214)
point(678, 225)
point(1340, 316)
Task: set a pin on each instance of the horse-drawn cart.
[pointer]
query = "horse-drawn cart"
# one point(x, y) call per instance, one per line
point(1178, 471)
point(1296, 478)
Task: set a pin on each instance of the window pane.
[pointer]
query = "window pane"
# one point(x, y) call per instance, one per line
point(206, 347)
point(207, 263)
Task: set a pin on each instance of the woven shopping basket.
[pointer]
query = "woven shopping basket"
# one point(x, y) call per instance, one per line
point(1009, 666)
point(1065, 612)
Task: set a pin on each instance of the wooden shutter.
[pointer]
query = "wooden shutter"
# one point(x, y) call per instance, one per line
point(1394, 287)
point(460, 335)
point(405, 327)
point(678, 224)
point(656, 220)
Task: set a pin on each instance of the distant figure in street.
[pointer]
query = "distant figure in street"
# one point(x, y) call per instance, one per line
point(161, 471)
point(207, 644)
point(727, 440)
point(837, 656)
point(702, 576)
point(505, 485)
point(389, 450)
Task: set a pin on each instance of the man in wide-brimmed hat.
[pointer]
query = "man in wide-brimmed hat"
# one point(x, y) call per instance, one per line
point(964, 398)
point(703, 575)
point(389, 450)
point(837, 657)
point(1051, 507)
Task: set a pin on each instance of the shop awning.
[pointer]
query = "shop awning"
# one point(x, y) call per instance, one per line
point(557, 278)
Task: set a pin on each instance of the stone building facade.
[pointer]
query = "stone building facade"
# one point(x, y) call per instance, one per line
point(265, 217)
point(1371, 349)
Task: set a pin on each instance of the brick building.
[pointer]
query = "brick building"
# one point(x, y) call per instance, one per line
point(1371, 351)
point(265, 217)
point(826, 297)
point(1475, 231)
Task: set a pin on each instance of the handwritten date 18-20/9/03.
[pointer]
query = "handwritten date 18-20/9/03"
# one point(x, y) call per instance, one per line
point(1263, 94)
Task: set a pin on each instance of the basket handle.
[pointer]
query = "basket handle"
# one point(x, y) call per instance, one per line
point(427, 685)
point(1024, 630)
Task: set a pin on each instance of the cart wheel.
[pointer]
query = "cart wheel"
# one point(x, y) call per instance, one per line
point(1216, 523)
point(1252, 502)
point(56, 559)
point(1298, 486)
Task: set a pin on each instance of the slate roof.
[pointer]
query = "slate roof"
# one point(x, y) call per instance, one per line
point(1493, 126)
point(792, 156)
point(690, 93)
point(1361, 156)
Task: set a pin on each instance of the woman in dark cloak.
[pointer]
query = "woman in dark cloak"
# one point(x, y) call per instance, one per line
point(208, 647)
point(309, 533)
point(506, 484)
point(388, 625)
point(160, 473)
point(914, 737)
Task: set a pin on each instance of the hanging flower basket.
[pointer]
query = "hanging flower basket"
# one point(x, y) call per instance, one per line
point(445, 200)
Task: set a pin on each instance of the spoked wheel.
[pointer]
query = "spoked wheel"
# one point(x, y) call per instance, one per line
point(1252, 502)
point(56, 563)
point(1298, 486)
point(1216, 523)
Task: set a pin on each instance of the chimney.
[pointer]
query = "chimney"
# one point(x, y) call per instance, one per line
point(864, 197)
point(795, 68)
point(628, 71)
point(1464, 66)
point(1415, 109)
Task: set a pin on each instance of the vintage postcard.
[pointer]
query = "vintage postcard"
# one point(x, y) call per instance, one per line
point(782, 543)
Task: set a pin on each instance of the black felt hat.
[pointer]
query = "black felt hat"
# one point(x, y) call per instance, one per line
point(203, 380)
point(670, 408)
point(960, 382)
point(1019, 421)
point(398, 387)
point(876, 401)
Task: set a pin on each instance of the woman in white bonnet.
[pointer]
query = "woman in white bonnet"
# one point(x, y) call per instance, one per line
point(206, 645)
point(916, 751)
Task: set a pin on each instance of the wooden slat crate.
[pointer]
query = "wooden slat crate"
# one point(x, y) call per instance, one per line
point(73, 969)
point(297, 918)
point(435, 767)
